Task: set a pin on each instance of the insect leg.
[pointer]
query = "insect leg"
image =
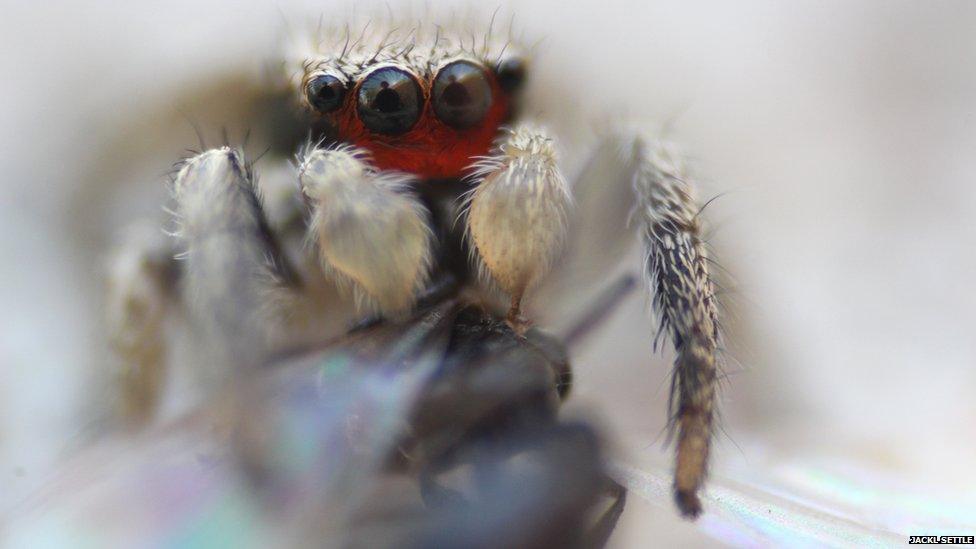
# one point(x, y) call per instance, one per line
point(517, 214)
point(600, 532)
point(371, 233)
point(683, 296)
point(235, 273)
point(141, 288)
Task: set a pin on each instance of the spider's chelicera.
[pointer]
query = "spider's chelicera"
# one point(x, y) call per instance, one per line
point(417, 163)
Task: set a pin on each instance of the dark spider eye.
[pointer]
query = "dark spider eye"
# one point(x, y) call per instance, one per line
point(461, 95)
point(325, 93)
point(511, 74)
point(389, 101)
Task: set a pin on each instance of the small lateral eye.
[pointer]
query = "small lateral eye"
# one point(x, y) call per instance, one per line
point(325, 93)
point(389, 101)
point(511, 73)
point(461, 95)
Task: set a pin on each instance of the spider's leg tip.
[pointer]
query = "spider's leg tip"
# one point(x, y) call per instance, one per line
point(515, 320)
point(688, 504)
point(519, 324)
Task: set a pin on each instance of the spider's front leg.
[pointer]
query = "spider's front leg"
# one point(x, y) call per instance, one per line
point(236, 276)
point(678, 276)
point(371, 233)
point(229, 279)
point(141, 290)
point(627, 173)
point(517, 221)
point(517, 214)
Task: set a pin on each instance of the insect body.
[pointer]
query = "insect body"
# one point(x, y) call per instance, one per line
point(417, 162)
point(439, 430)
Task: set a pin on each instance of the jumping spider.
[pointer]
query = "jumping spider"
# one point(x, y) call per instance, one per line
point(415, 166)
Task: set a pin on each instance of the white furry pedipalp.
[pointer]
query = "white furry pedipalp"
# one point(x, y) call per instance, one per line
point(517, 214)
point(233, 269)
point(370, 232)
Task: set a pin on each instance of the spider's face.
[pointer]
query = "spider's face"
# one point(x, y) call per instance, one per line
point(429, 114)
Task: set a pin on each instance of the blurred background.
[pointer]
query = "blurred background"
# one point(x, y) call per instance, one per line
point(841, 134)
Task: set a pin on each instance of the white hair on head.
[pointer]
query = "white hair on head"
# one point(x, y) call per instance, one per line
point(403, 39)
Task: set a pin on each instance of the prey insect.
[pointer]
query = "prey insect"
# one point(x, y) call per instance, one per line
point(439, 430)
point(414, 166)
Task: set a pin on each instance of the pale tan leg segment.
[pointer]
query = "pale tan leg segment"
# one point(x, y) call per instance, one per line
point(517, 215)
point(141, 283)
point(370, 232)
point(236, 280)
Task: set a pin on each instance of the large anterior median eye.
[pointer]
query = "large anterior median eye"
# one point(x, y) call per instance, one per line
point(390, 101)
point(462, 94)
point(325, 93)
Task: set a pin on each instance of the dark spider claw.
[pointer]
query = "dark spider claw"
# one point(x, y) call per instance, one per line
point(688, 503)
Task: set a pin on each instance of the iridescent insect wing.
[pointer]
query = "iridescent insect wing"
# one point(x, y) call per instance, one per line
point(287, 453)
point(307, 450)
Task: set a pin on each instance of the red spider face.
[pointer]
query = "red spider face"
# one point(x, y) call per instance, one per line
point(431, 127)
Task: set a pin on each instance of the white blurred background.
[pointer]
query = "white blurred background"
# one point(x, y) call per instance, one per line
point(842, 132)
